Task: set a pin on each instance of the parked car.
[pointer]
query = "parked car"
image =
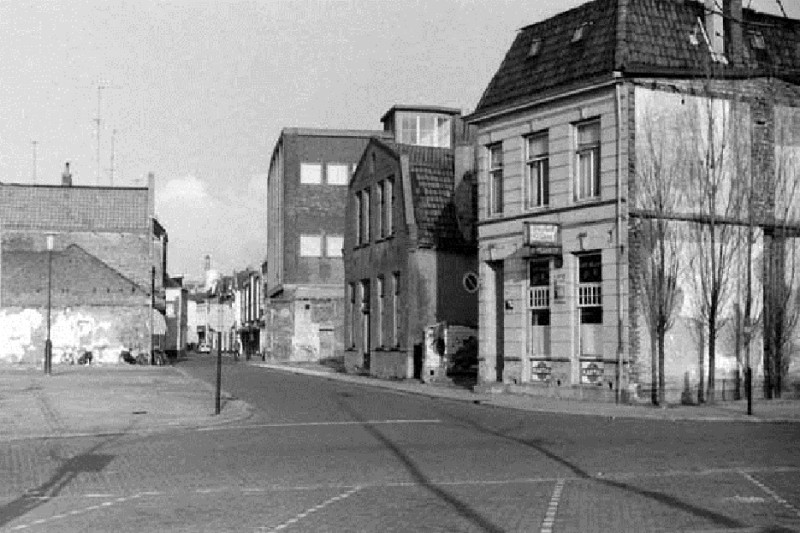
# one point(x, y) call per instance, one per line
point(204, 348)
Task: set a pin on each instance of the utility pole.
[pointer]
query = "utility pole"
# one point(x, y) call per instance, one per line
point(98, 121)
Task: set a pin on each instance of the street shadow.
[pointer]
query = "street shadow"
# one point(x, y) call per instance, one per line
point(460, 507)
point(537, 445)
point(90, 461)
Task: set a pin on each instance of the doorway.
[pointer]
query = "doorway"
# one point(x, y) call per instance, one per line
point(499, 313)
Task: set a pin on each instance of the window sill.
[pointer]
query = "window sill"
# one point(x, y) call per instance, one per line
point(582, 201)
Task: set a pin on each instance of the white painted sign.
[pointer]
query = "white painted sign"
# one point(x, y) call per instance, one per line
point(541, 234)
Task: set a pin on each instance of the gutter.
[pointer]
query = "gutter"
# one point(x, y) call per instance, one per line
point(620, 374)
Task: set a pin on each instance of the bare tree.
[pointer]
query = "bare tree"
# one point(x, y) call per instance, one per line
point(717, 193)
point(782, 291)
point(659, 251)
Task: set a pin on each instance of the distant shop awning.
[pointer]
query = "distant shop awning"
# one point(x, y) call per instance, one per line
point(159, 323)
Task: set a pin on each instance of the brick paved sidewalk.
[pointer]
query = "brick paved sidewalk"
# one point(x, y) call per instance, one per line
point(88, 400)
point(763, 410)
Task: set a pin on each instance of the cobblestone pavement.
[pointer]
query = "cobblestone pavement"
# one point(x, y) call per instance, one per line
point(320, 455)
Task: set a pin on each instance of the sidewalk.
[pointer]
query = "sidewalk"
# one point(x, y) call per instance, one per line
point(92, 400)
point(786, 411)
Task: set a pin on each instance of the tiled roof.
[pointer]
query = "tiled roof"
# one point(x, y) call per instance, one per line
point(634, 37)
point(432, 186)
point(100, 209)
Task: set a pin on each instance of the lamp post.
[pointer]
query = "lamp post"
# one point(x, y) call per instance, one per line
point(48, 345)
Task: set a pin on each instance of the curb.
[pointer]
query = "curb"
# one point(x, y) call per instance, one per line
point(493, 402)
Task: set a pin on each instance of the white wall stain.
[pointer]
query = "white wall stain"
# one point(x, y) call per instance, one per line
point(16, 333)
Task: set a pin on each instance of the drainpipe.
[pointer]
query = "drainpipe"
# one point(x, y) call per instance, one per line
point(620, 374)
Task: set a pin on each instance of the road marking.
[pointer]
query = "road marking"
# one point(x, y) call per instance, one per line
point(313, 424)
point(314, 509)
point(772, 493)
point(75, 512)
point(552, 507)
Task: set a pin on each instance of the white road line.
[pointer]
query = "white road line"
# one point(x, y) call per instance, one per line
point(98, 495)
point(314, 424)
point(314, 509)
point(772, 493)
point(552, 507)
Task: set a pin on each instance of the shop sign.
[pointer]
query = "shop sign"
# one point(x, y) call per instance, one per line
point(591, 372)
point(542, 235)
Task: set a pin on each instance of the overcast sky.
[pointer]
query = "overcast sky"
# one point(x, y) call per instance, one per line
point(197, 92)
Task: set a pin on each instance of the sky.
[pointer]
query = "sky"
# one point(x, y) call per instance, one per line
point(197, 92)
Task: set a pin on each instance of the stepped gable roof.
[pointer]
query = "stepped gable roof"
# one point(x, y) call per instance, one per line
point(432, 186)
point(75, 208)
point(635, 38)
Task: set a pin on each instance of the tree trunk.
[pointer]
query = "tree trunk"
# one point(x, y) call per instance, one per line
point(712, 346)
point(653, 368)
point(700, 368)
point(661, 378)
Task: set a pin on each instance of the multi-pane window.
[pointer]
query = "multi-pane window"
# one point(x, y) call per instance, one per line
point(388, 193)
point(537, 173)
point(587, 161)
point(311, 173)
point(379, 200)
point(337, 174)
point(366, 236)
point(396, 309)
point(334, 245)
point(359, 214)
point(381, 310)
point(495, 179)
point(425, 129)
point(590, 296)
point(310, 245)
point(539, 292)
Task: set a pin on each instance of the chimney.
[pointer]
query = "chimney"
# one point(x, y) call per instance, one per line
point(66, 177)
point(732, 11)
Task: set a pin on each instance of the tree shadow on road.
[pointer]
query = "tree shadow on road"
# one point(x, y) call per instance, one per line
point(460, 507)
point(89, 461)
point(538, 446)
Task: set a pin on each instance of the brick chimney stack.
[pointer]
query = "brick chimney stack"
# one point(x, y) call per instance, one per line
point(66, 176)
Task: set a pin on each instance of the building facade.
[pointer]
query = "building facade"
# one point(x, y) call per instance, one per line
point(96, 254)
point(409, 249)
point(565, 127)
point(307, 189)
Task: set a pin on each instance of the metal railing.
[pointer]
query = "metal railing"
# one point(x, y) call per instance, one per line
point(539, 298)
point(590, 295)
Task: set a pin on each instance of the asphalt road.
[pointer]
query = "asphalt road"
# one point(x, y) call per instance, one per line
point(321, 455)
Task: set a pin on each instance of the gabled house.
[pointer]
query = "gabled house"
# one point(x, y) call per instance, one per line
point(409, 248)
point(575, 129)
point(104, 254)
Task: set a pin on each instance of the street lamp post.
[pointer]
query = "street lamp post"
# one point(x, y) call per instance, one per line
point(48, 344)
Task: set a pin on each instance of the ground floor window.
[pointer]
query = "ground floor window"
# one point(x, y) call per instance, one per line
point(590, 304)
point(539, 308)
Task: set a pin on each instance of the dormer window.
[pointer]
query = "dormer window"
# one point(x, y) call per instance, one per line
point(580, 32)
point(536, 46)
point(425, 129)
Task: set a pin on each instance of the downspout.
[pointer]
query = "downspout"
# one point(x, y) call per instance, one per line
point(620, 374)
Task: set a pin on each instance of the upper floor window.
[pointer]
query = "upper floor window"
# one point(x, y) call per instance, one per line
point(537, 173)
point(381, 206)
point(425, 129)
point(587, 161)
point(359, 213)
point(311, 173)
point(337, 174)
point(334, 245)
point(310, 245)
point(388, 210)
point(495, 179)
point(366, 236)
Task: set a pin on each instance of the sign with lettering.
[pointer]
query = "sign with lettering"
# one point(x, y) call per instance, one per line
point(542, 235)
point(591, 372)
